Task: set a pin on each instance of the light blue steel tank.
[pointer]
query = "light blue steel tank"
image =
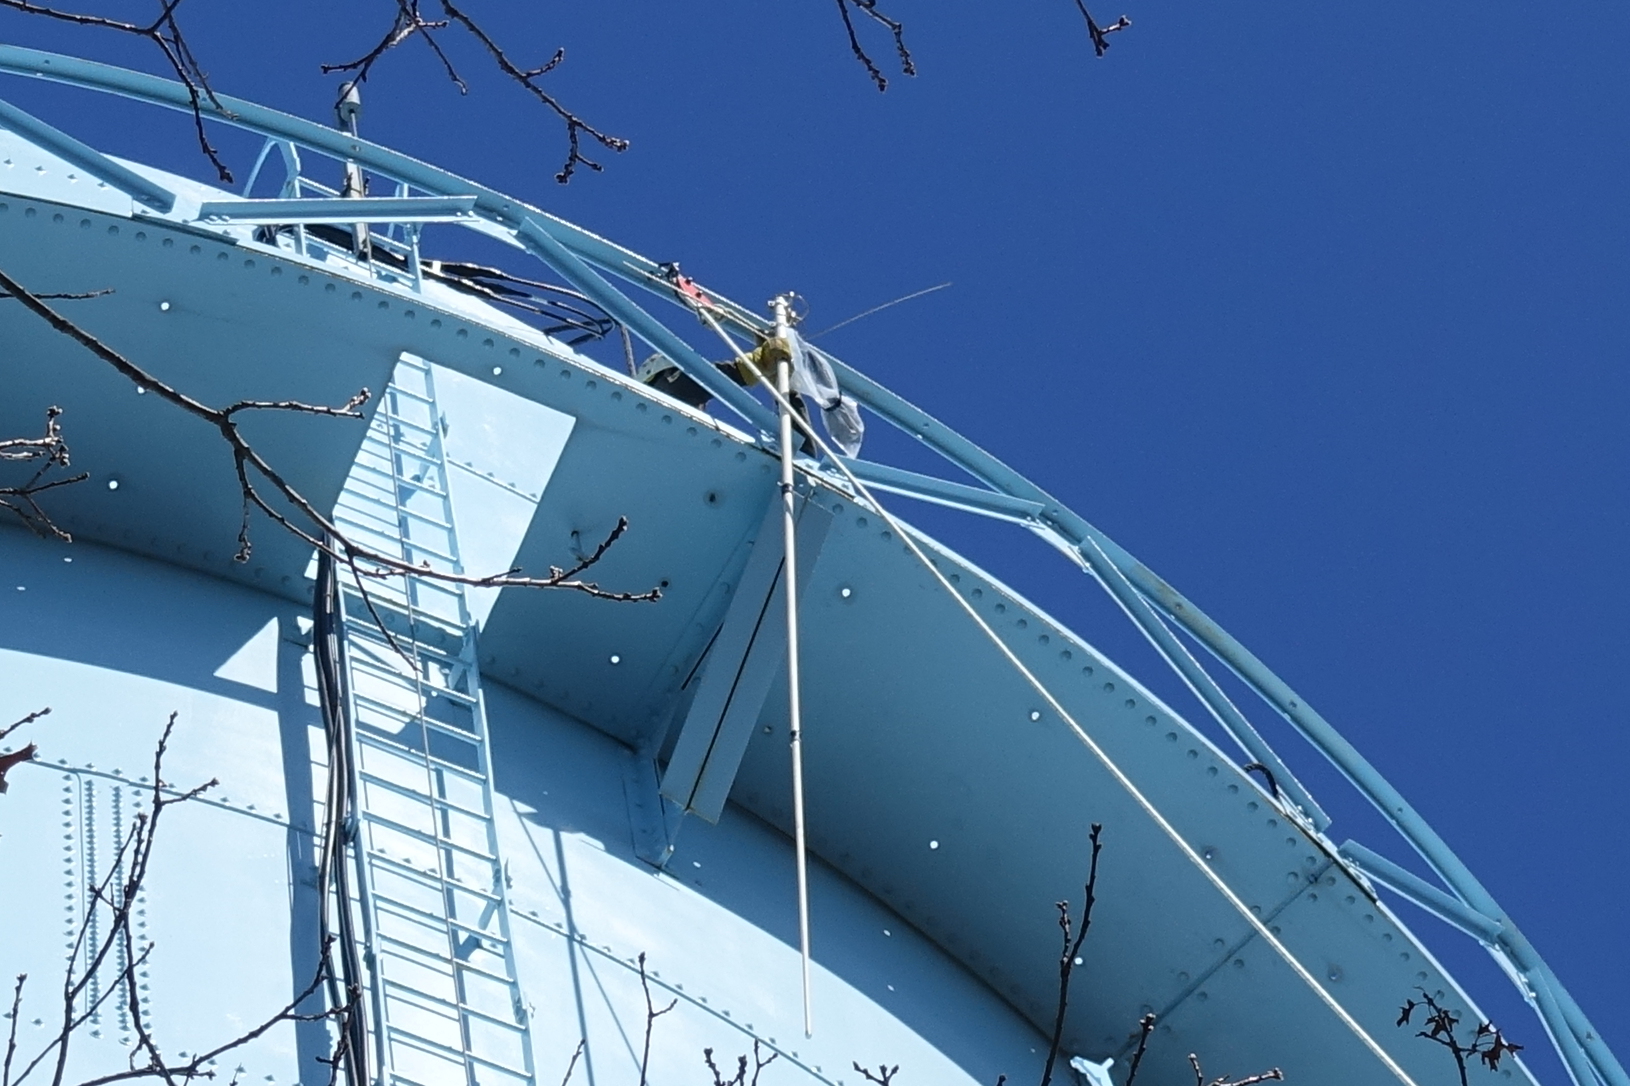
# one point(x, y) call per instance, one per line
point(545, 833)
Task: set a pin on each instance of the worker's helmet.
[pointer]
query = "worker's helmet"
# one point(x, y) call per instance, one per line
point(653, 367)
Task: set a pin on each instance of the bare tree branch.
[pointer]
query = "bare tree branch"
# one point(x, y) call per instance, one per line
point(165, 34)
point(70, 296)
point(50, 453)
point(740, 1078)
point(718, 1076)
point(1100, 34)
point(1487, 1043)
point(1249, 1080)
point(29, 719)
point(895, 27)
point(410, 22)
point(651, 1016)
point(114, 899)
point(320, 532)
point(577, 1054)
point(1069, 957)
point(1146, 1026)
point(11, 1033)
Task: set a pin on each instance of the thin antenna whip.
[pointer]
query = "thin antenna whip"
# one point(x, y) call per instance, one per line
point(880, 308)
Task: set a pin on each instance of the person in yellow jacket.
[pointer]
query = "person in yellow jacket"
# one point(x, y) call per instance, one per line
point(660, 372)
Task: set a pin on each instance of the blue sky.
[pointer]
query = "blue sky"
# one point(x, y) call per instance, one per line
point(1321, 312)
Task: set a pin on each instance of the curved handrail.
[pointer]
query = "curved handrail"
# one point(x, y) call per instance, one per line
point(581, 256)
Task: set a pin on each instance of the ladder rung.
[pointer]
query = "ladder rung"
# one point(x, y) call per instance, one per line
point(384, 663)
point(359, 516)
point(433, 881)
point(379, 654)
point(457, 1008)
point(413, 1040)
point(383, 743)
point(401, 480)
point(390, 435)
point(379, 458)
point(430, 693)
point(419, 613)
point(429, 881)
point(440, 925)
point(413, 716)
point(404, 468)
point(398, 390)
point(360, 627)
point(475, 933)
point(393, 419)
point(420, 958)
point(427, 838)
point(405, 948)
point(410, 544)
point(434, 801)
point(383, 666)
point(436, 958)
point(355, 512)
point(439, 728)
point(404, 1080)
point(426, 518)
point(399, 1079)
point(427, 551)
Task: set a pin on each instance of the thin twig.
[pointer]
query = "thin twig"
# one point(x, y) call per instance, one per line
point(895, 27)
point(1250, 1080)
point(1071, 952)
point(29, 719)
point(50, 453)
point(409, 22)
point(1146, 1026)
point(577, 1054)
point(166, 35)
point(651, 1016)
point(1487, 1044)
point(740, 1078)
point(759, 1064)
point(11, 1033)
point(1100, 34)
point(67, 295)
point(116, 896)
point(718, 1076)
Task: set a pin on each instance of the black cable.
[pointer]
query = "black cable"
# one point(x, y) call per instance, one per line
point(345, 986)
point(1273, 785)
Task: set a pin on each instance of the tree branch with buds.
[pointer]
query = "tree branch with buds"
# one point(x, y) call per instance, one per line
point(1441, 1028)
point(49, 457)
point(101, 970)
point(166, 35)
point(258, 478)
point(410, 22)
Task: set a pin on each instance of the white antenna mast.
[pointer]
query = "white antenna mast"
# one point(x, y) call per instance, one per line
point(782, 308)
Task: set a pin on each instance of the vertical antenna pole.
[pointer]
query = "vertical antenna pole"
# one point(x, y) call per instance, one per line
point(349, 112)
point(789, 580)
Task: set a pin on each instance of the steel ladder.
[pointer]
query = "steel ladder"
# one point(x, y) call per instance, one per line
point(446, 1005)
